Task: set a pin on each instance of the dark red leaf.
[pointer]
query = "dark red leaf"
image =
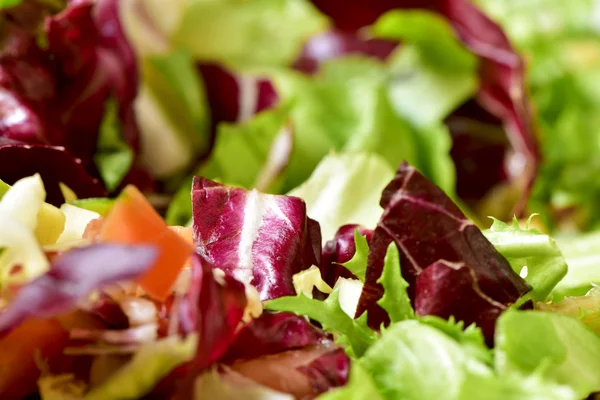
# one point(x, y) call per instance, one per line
point(73, 276)
point(272, 333)
point(232, 99)
point(431, 231)
point(479, 151)
point(54, 164)
point(213, 309)
point(339, 250)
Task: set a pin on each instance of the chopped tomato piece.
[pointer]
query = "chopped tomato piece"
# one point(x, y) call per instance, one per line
point(133, 220)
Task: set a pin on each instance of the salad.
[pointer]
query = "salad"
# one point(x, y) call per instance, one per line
point(288, 199)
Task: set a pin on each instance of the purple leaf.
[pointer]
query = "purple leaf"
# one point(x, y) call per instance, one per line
point(340, 250)
point(213, 309)
point(479, 151)
point(72, 37)
point(257, 238)
point(502, 89)
point(73, 276)
point(272, 333)
point(430, 231)
point(28, 128)
point(328, 371)
point(57, 95)
point(234, 98)
point(54, 164)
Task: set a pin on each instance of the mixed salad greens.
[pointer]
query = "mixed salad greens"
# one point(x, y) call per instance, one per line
point(288, 199)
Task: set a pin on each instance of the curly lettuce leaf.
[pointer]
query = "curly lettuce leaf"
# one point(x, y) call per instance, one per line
point(331, 316)
point(559, 348)
point(409, 353)
point(331, 193)
point(358, 263)
point(560, 44)
point(532, 254)
point(395, 300)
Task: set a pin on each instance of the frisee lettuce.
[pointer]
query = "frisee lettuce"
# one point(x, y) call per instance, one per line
point(532, 254)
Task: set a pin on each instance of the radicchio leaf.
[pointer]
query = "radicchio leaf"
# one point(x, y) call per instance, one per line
point(444, 257)
point(502, 89)
point(235, 98)
point(56, 95)
point(213, 307)
point(340, 250)
point(272, 333)
point(328, 371)
point(257, 238)
point(54, 164)
point(73, 276)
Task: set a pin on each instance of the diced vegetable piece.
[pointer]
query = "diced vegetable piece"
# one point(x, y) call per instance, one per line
point(132, 220)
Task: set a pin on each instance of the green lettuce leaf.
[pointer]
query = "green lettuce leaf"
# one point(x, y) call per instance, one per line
point(172, 113)
point(331, 193)
point(330, 114)
point(582, 253)
point(247, 34)
point(470, 338)
point(516, 387)
point(563, 59)
point(358, 263)
point(557, 347)
point(253, 154)
point(330, 315)
point(113, 157)
point(409, 354)
point(402, 364)
point(532, 254)
point(433, 64)
point(395, 299)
